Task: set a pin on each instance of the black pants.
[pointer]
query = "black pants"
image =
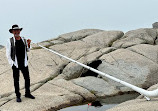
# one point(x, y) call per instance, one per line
point(25, 72)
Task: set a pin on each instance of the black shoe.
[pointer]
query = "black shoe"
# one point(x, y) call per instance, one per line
point(29, 96)
point(18, 99)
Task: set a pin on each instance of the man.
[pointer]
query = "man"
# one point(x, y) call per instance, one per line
point(16, 51)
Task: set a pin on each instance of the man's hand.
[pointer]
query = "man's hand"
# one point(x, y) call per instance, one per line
point(28, 42)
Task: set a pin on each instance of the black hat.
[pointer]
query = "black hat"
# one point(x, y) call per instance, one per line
point(15, 27)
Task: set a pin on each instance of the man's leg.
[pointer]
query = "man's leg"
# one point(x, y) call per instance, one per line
point(26, 76)
point(16, 80)
point(25, 72)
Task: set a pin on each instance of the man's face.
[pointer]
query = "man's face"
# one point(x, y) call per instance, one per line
point(16, 32)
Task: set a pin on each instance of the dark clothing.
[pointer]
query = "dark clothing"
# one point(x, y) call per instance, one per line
point(13, 48)
point(25, 72)
point(20, 52)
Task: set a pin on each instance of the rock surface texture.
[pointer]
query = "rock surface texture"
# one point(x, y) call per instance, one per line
point(139, 104)
point(155, 25)
point(58, 83)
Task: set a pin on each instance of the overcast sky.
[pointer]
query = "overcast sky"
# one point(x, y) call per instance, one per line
point(45, 19)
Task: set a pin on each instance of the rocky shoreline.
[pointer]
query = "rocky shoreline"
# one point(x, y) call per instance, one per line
point(138, 104)
point(59, 83)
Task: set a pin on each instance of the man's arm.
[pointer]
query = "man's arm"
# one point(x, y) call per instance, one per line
point(28, 42)
point(8, 52)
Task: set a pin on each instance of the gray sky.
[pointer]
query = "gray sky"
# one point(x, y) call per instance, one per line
point(45, 19)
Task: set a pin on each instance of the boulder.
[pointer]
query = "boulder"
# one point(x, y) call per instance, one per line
point(155, 25)
point(70, 86)
point(73, 70)
point(48, 97)
point(139, 104)
point(53, 95)
point(77, 35)
point(68, 37)
point(97, 86)
point(43, 66)
point(58, 83)
point(129, 66)
point(146, 50)
point(86, 50)
point(139, 36)
point(101, 40)
point(136, 105)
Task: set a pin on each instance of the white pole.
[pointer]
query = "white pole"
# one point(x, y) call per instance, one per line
point(144, 92)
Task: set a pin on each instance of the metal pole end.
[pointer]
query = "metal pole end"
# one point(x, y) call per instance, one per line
point(147, 98)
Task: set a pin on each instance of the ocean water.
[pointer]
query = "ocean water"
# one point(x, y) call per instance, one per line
point(89, 108)
point(107, 103)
